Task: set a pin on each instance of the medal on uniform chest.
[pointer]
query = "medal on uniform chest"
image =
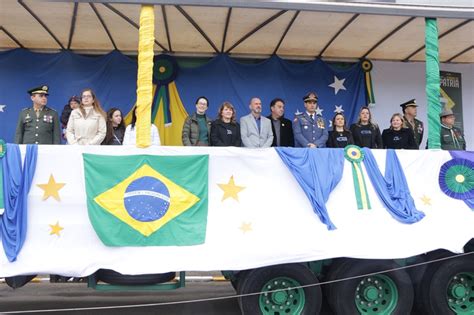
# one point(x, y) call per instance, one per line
point(48, 118)
point(27, 116)
point(320, 123)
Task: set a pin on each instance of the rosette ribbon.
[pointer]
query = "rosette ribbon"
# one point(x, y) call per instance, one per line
point(355, 155)
point(456, 179)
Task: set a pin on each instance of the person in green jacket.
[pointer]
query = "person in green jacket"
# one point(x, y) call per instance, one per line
point(38, 124)
point(197, 127)
point(452, 138)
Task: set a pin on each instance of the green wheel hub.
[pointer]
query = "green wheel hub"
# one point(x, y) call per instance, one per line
point(376, 295)
point(279, 296)
point(460, 293)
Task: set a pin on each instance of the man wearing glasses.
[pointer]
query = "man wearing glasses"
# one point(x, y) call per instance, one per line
point(38, 124)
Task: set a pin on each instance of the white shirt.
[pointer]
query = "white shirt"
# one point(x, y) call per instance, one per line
point(130, 136)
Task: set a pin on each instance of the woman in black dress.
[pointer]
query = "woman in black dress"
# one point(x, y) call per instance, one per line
point(225, 131)
point(340, 136)
point(365, 132)
point(397, 137)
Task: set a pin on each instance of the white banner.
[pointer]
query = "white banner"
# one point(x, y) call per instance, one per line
point(268, 221)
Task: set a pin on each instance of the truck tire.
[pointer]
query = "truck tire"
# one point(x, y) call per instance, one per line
point(422, 284)
point(286, 297)
point(237, 279)
point(451, 289)
point(336, 271)
point(384, 293)
point(116, 278)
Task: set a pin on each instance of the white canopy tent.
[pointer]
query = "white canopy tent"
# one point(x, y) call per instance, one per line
point(290, 29)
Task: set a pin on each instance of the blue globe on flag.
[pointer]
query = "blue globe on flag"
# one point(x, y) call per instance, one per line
point(147, 199)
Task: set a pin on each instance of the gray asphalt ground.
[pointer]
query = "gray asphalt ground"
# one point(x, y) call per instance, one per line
point(54, 296)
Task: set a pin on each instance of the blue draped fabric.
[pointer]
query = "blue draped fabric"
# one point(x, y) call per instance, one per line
point(467, 155)
point(392, 189)
point(318, 172)
point(113, 78)
point(17, 183)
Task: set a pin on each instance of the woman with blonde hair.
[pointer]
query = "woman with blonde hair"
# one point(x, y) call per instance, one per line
point(87, 124)
point(365, 132)
point(397, 137)
point(225, 131)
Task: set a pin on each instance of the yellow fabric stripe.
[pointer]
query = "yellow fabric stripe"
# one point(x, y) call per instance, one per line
point(145, 75)
point(363, 193)
point(127, 120)
point(178, 115)
point(368, 84)
point(170, 134)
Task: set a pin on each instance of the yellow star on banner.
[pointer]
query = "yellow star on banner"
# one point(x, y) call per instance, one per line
point(426, 200)
point(55, 229)
point(51, 189)
point(246, 227)
point(230, 189)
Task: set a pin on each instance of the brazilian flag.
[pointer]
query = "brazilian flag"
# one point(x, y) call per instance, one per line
point(146, 200)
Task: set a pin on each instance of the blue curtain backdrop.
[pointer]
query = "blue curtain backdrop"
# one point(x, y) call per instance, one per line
point(113, 77)
point(224, 78)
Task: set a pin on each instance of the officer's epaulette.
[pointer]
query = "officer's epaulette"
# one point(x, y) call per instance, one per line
point(26, 108)
point(297, 116)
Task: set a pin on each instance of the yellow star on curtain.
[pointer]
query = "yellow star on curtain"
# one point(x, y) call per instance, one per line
point(426, 200)
point(246, 227)
point(230, 189)
point(55, 229)
point(51, 189)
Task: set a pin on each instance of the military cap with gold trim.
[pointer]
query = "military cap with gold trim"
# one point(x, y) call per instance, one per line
point(411, 102)
point(42, 89)
point(310, 96)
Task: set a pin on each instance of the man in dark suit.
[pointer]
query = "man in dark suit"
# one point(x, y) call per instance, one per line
point(281, 127)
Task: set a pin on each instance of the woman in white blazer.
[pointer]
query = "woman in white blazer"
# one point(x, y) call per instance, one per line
point(87, 125)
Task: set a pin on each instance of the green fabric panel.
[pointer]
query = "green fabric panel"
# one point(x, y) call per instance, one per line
point(432, 82)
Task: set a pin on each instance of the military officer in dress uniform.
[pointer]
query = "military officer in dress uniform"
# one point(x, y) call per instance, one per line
point(310, 129)
point(409, 120)
point(38, 124)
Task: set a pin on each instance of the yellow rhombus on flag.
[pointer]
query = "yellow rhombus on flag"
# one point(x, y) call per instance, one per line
point(112, 200)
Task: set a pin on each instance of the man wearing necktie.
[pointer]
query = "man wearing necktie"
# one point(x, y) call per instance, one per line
point(309, 128)
point(38, 124)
